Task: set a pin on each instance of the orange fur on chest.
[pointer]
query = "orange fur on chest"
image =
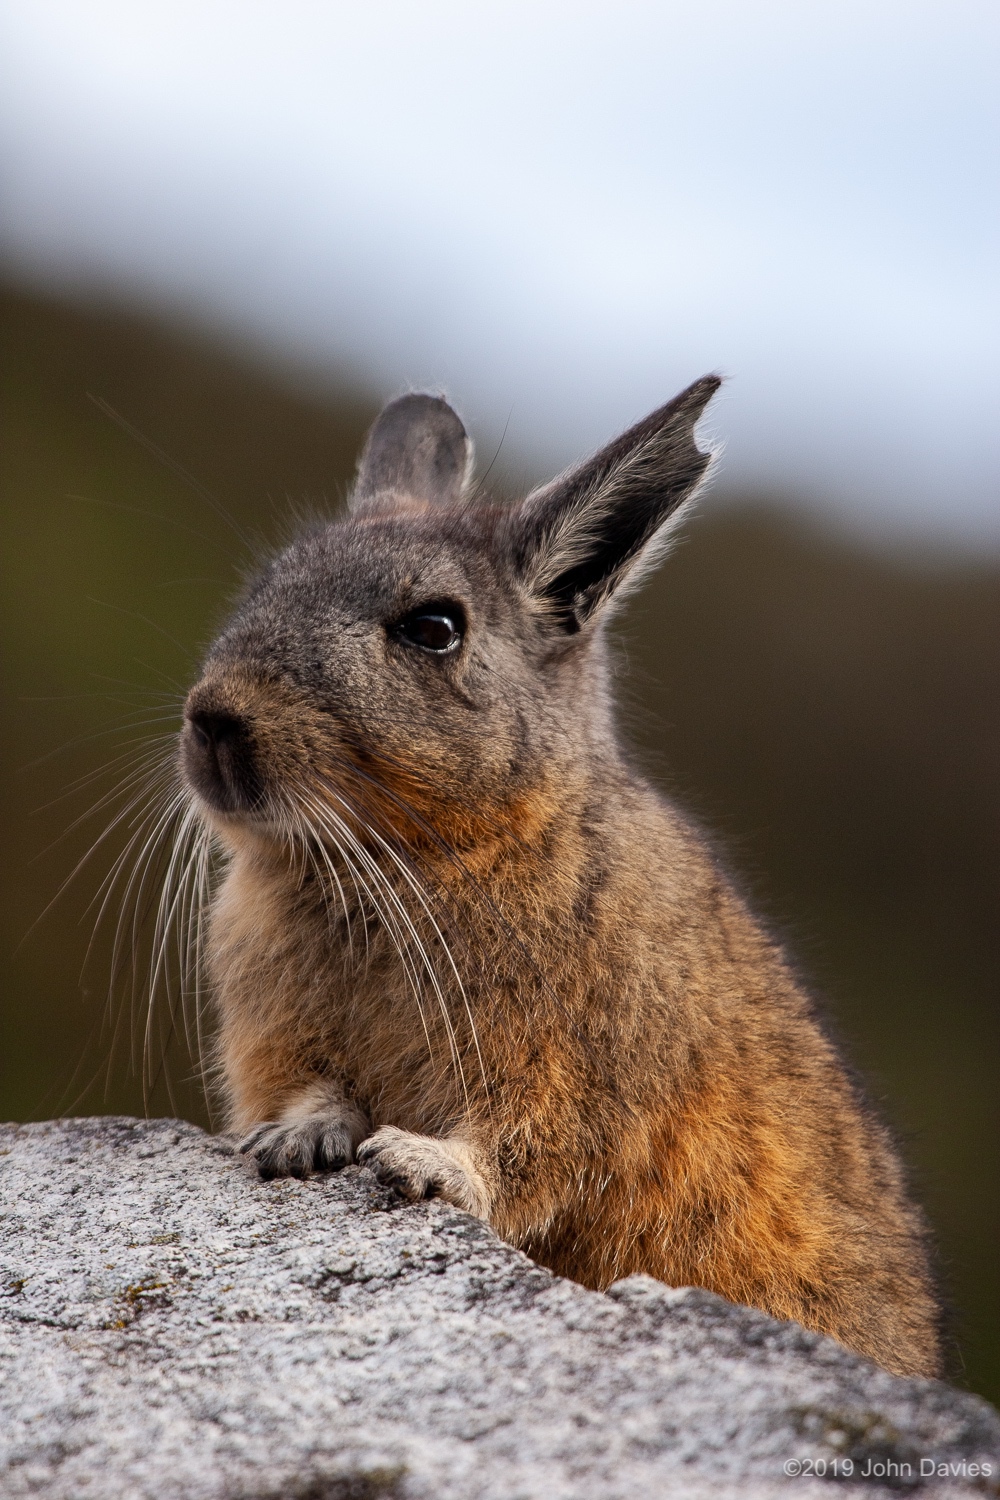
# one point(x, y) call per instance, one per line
point(466, 834)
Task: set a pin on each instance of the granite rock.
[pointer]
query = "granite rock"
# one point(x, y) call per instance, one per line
point(171, 1327)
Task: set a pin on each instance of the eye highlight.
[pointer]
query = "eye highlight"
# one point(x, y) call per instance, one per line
point(437, 628)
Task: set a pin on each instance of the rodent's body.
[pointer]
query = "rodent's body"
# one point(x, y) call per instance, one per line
point(613, 1063)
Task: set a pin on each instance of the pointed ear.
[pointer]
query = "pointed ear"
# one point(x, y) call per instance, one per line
point(597, 529)
point(417, 450)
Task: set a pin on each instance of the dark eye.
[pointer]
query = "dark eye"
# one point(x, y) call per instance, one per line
point(435, 627)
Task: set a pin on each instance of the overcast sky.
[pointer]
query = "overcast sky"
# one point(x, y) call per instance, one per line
point(558, 212)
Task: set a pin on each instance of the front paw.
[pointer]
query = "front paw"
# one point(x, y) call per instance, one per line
point(318, 1143)
point(420, 1166)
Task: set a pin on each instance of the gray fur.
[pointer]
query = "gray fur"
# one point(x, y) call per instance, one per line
point(522, 692)
point(419, 449)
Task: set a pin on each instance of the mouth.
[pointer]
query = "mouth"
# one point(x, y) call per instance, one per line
point(221, 760)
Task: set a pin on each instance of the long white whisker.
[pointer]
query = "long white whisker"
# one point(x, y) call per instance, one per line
point(171, 903)
point(377, 891)
point(361, 854)
point(135, 891)
point(150, 774)
point(106, 889)
point(204, 887)
point(420, 892)
point(311, 846)
point(189, 939)
point(318, 843)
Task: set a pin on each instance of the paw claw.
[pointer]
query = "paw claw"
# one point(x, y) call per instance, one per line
point(314, 1144)
point(256, 1135)
point(418, 1167)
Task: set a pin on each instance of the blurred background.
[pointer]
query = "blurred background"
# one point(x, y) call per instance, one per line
point(229, 231)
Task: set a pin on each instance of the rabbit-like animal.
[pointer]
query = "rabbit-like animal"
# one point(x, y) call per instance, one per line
point(462, 941)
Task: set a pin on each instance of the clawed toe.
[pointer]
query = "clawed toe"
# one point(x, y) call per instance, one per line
point(332, 1149)
point(246, 1145)
point(317, 1145)
point(401, 1177)
point(420, 1166)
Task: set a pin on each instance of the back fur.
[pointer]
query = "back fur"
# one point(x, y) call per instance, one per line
point(460, 939)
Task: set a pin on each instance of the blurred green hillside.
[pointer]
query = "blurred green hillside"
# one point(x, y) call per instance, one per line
point(831, 713)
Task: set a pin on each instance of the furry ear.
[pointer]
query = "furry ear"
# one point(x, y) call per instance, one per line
point(417, 450)
point(595, 530)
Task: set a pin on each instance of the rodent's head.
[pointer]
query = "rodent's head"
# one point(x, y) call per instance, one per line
point(430, 667)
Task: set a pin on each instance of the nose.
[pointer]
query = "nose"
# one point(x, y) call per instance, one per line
point(220, 759)
point(211, 730)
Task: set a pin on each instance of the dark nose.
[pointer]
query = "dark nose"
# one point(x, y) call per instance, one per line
point(213, 729)
point(221, 761)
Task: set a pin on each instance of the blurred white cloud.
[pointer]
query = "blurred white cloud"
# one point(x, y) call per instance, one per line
point(558, 212)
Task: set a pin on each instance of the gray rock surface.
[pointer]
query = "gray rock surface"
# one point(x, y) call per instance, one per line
point(172, 1327)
